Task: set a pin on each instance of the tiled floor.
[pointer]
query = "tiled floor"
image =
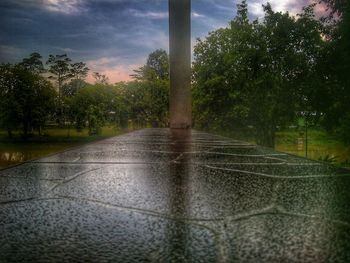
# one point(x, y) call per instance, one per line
point(160, 196)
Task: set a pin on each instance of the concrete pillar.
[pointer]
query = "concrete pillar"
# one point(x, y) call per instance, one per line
point(180, 64)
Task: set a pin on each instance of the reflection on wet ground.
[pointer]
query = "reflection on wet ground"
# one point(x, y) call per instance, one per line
point(13, 157)
point(22, 152)
point(157, 195)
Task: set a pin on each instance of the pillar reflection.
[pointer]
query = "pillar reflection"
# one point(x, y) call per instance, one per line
point(178, 231)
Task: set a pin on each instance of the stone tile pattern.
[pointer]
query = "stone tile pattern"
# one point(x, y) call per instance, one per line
point(157, 195)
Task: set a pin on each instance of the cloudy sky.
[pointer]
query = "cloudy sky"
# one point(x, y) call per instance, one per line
point(112, 36)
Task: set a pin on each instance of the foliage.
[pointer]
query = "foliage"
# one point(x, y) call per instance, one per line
point(150, 90)
point(100, 78)
point(26, 99)
point(62, 71)
point(256, 73)
point(94, 104)
point(95, 118)
point(144, 101)
point(79, 70)
point(148, 102)
point(337, 7)
point(59, 66)
point(72, 87)
point(33, 63)
point(156, 68)
point(344, 128)
point(329, 159)
point(336, 66)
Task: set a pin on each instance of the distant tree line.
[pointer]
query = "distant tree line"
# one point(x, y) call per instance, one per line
point(267, 72)
point(33, 94)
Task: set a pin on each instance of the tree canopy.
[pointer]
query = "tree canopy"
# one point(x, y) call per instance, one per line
point(257, 73)
point(156, 67)
point(26, 99)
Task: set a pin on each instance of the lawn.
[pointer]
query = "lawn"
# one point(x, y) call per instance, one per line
point(321, 146)
point(16, 150)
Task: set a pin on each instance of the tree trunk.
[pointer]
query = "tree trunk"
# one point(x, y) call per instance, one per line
point(265, 136)
point(60, 102)
point(25, 130)
point(9, 132)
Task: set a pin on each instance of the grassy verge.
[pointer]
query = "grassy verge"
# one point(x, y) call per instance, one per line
point(16, 150)
point(321, 145)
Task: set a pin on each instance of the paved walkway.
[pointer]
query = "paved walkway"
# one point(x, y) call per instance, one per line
point(157, 196)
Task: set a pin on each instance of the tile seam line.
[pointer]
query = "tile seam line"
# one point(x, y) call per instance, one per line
point(196, 222)
point(265, 211)
point(278, 176)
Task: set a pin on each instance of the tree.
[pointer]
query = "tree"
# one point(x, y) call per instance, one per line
point(59, 66)
point(156, 68)
point(33, 63)
point(337, 7)
point(100, 79)
point(9, 117)
point(26, 99)
point(147, 102)
point(72, 87)
point(79, 72)
point(335, 67)
point(95, 119)
point(152, 82)
point(93, 105)
point(255, 73)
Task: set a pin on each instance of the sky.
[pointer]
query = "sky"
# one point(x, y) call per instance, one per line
point(112, 37)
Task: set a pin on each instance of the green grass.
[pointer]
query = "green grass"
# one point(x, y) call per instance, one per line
point(321, 146)
point(61, 135)
point(16, 150)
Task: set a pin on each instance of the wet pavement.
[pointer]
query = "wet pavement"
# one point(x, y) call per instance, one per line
point(159, 196)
